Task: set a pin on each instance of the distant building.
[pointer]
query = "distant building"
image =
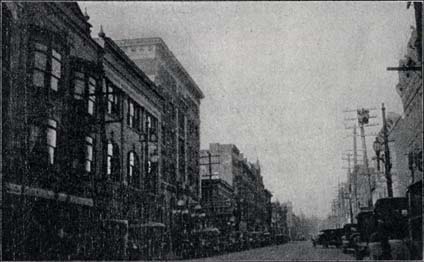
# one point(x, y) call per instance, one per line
point(278, 219)
point(218, 202)
point(226, 158)
point(251, 201)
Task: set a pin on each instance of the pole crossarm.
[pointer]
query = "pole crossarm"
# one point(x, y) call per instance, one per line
point(404, 68)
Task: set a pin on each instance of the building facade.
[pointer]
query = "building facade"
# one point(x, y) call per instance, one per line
point(82, 142)
point(408, 132)
point(49, 164)
point(180, 128)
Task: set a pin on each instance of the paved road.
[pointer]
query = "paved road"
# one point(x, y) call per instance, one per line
point(302, 250)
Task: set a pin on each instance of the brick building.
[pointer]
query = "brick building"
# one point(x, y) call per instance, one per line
point(180, 127)
point(251, 200)
point(82, 141)
point(129, 190)
point(48, 162)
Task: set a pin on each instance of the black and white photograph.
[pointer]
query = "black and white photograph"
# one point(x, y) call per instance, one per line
point(211, 130)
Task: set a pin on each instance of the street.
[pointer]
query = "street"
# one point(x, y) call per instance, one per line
point(297, 250)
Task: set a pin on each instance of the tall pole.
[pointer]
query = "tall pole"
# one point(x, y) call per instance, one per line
point(211, 185)
point(355, 164)
point(387, 164)
point(364, 147)
point(350, 189)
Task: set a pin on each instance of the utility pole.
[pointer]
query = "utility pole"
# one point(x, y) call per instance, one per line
point(349, 174)
point(355, 164)
point(363, 118)
point(387, 163)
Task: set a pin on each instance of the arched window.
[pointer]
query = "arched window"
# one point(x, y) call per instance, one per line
point(133, 170)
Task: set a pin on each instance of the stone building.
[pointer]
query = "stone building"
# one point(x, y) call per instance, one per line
point(180, 126)
point(408, 131)
point(49, 165)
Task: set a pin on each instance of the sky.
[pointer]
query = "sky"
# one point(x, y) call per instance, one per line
point(277, 77)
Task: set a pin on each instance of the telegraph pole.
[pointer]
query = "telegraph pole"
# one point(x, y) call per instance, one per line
point(355, 164)
point(349, 174)
point(387, 163)
point(363, 117)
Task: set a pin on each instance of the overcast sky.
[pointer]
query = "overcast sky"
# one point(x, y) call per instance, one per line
point(277, 77)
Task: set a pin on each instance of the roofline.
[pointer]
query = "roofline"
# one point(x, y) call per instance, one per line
point(133, 66)
point(158, 40)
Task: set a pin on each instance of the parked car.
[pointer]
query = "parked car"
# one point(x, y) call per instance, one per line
point(348, 244)
point(415, 216)
point(323, 238)
point(387, 242)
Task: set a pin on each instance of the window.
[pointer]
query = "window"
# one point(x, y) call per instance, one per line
point(91, 95)
point(113, 101)
point(79, 85)
point(151, 163)
point(85, 89)
point(51, 140)
point(133, 170)
point(113, 161)
point(109, 158)
point(88, 153)
point(134, 115)
point(131, 113)
point(46, 65)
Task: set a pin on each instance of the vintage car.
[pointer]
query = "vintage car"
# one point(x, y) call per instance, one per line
point(348, 243)
point(415, 216)
point(392, 224)
point(323, 238)
point(366, 226)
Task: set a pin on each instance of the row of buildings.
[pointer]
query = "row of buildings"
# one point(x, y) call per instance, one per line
point(404, 133)
point(99, 136)
point(101, 145)
point(233, 190)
